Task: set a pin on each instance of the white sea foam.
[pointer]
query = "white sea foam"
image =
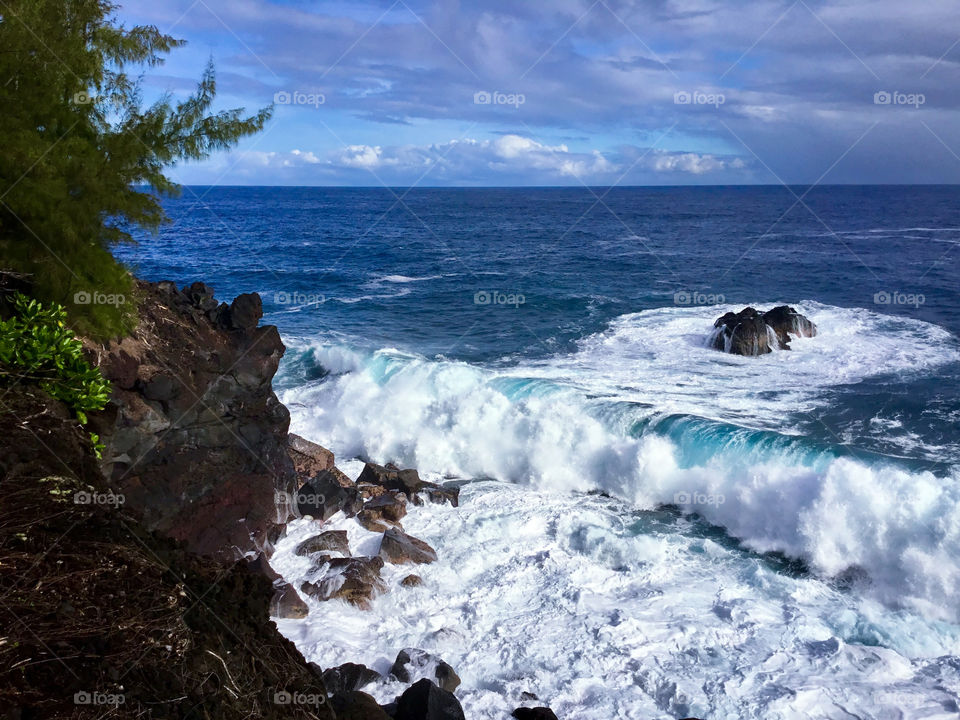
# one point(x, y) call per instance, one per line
point(605, 613)
point(567, 424)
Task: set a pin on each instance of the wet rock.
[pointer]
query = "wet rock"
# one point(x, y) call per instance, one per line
point(786, 321)
point(425, 701)
point(392, 478)
point(384, 511)
point(286, 603)
point(356, 580)
point(356, 705)
point(412, 581)
point(323, 496)
point(348, 677)
point(309, 459)
point(413, 664)
point(535, 713)
point(442, 495)
point(742, 333)
point(752, 332)
point(399, 548)
point(328, 541)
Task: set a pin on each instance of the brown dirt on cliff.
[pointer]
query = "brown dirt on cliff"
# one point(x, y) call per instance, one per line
point(102, 618)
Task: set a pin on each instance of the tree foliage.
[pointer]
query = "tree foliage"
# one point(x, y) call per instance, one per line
point(78, 145)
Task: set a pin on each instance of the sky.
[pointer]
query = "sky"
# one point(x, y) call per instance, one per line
point(572, 92)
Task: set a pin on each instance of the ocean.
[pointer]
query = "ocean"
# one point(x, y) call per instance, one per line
point(648, 528)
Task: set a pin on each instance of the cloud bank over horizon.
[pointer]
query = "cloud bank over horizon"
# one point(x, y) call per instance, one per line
point(594, 92)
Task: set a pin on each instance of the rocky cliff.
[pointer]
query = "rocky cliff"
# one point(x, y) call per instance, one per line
point(195, 437)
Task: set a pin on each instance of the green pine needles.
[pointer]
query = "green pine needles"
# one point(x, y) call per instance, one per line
point(80, 145)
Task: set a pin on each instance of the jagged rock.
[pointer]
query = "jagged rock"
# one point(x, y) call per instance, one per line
point(246, 311)
point(356, 705)
point(368, 491)
point(425, 701)
point(742, 333)
point(309, 459)
point(323, 496)
point(786, 321)
point(752, 332)
point(442, 495)
point(286, 603)
point(413, 664)
point(329, 541)
point(195, 437)
point(387, 510)
point(349, 677)
point(535, 713)
point(412, 581)
point(392, 478)
point(356, 580)
point(399, 548)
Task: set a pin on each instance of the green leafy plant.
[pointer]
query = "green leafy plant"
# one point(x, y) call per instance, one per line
point(37, 347)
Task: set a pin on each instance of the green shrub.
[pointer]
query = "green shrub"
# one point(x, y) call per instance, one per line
point(36, 347)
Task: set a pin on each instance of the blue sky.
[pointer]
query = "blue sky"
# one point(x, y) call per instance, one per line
point(573, 92)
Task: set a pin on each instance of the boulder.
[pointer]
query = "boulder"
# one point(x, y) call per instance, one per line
point(328, 541)
point(413, 664)
point(425, 701)
point(286, 603)
point(442, 495)
point(412, 581)
point(309, 459)
point(348, 677)
point(246, 311)
point(356, 580)
point(752, 332)
point(384, 511)
point(535, 713)
point(356, 705)
point(786, 321)
point(323, 496)
point(392, 478)
point(399, 548)
point(742, 333)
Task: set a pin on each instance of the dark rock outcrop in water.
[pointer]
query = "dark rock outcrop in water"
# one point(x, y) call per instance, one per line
point(535, 713)
point(425, 701)
point(196, 439)
point(408, 482)
point(752, 332)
